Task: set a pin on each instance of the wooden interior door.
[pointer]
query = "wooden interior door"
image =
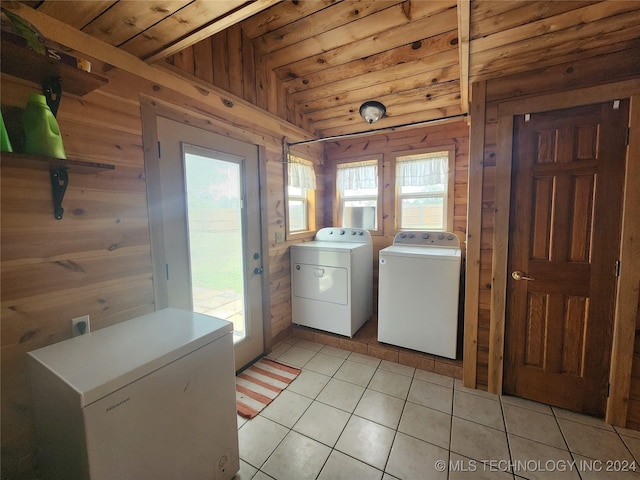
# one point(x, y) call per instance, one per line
point(566, 209)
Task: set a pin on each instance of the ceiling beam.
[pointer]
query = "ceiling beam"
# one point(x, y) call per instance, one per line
point(217, 25)
point(464, 13)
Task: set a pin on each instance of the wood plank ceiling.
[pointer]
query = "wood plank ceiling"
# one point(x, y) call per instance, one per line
point(327, 57)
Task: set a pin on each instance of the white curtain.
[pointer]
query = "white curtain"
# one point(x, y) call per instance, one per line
point(363, 175)
point(421, 170)
point(301, 174)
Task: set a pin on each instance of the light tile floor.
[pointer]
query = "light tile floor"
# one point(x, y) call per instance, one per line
point(354, 417)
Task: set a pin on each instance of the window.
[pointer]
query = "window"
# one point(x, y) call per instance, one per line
point(357, 192)
point(301, 185)
point(424, 186)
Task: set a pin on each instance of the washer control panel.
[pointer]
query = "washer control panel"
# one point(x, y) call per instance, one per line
point(343, 234)
point(426, 238)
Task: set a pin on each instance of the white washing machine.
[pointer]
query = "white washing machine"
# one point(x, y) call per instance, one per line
point(332, 280)
point(419, 282)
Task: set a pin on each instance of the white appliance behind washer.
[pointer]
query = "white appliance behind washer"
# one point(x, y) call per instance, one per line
point(152, 398)
point(332, 280)
point(419, 281)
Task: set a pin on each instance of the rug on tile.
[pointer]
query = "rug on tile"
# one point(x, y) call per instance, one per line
point(260, 384)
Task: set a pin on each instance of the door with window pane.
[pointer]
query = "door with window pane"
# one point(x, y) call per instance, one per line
point(211, 241)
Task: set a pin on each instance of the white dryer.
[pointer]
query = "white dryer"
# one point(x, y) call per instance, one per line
point(419, 282)
point(332, 280)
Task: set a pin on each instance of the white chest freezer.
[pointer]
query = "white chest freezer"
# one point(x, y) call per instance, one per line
point(149, 398)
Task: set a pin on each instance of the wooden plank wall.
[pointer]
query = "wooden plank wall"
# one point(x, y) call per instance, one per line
point(225, 60)
point(279, 264)
point(97, 259)
point(560, 78)
point(438, 135)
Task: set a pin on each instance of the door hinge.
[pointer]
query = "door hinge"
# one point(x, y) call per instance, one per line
point(608, 389)
point(166, 270)
point(626, 137)
point(159, 150)
point(617, 268)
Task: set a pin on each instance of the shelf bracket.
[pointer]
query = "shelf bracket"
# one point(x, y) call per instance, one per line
point(59, 182)
point(52, 90)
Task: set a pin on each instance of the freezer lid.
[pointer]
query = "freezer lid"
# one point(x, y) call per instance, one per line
point(100, 362)
point(440, 253)
point(330, 246)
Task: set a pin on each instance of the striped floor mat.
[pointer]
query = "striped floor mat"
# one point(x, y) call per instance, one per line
point(260, 384)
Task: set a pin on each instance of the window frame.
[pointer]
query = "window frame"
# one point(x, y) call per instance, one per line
point(310, 202)
point(449, 198)
point(338, 206)
point(304, 198)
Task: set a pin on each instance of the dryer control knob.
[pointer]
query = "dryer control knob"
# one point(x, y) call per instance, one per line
point(449, 237)
point(403, 235)
point(440, 236)
point(425, 236)
point(341, 232)
point(361, 233)
point(353, 232)
point(411, 235)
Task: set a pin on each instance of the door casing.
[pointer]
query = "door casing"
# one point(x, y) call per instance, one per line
point(627, 298)
point(151, 109)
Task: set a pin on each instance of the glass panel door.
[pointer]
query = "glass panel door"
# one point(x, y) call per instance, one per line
point(214, 196)
point(204, 208)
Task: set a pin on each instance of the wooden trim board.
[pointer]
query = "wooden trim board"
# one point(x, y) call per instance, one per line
point(266, 276)
point(218, 25)
point(474, 229)
point(464, 14)
point(629, 280)
point(500, 254)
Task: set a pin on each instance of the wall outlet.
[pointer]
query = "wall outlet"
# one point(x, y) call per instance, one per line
point(279, 237)
point(80, 325)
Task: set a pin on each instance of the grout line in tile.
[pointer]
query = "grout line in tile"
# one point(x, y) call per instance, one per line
point(326, 460)
point(564, 438)
point(386, 462)
point(450, 432)
point(625, 444)
point(396, 429)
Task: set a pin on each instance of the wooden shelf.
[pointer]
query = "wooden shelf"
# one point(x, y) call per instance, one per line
point(58, 169)
point(55, 77)
point(25, 63)
point(23, 160)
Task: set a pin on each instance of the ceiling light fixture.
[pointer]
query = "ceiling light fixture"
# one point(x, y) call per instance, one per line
point(372, 111)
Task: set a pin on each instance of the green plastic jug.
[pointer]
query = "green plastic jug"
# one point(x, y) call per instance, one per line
point(41, 130)
point(5, 143)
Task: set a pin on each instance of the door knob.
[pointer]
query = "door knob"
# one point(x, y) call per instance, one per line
point(258, 270)
point(518, 275)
